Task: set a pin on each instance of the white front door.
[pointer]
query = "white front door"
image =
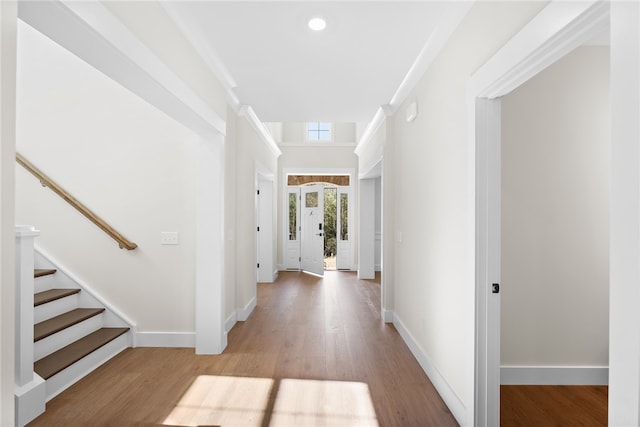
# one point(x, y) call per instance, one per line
point(312, 213)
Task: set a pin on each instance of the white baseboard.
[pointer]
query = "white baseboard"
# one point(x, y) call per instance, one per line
point(443, 388)
point(387, 316)
point(554, 375)
point(247, 310)
point(230, 322)
point(377, 267)
point(166, 339)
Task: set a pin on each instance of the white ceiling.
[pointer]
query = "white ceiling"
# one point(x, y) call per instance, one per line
point(265, 54)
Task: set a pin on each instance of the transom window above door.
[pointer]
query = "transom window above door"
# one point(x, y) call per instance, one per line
point(318, 131)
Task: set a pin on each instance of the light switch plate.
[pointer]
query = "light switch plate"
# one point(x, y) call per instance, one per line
point(168, 237)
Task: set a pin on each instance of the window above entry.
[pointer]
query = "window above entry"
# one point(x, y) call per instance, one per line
point(318, 132)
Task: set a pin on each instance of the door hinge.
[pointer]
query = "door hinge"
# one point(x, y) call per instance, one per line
point(258, 265)
point(258, 192)
point(258, 228)
point(299, 259)
point(495, 288)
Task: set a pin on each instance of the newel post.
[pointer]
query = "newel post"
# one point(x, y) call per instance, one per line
point(25, 236)
point(30, 389)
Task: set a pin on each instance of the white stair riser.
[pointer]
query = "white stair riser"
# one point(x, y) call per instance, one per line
point(44, 283)
point(54, 308)
point(55, 342)
point(64, 379)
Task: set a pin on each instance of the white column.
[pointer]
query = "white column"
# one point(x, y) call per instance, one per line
point(366, 229)
point(8, 24)
point(624, 293)
point(210, 335)
point(388, 225)
point(25, 236)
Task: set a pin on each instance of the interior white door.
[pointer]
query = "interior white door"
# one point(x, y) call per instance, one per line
point(312, 213)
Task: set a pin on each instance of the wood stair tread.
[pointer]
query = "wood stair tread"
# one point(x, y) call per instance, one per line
point(55, 362)
point(52, 295)
point(56, 324)
point(39, 272)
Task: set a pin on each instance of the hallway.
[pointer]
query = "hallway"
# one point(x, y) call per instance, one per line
point(314, 351)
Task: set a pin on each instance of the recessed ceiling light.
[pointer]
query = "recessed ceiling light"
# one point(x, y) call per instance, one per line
point(317, 24)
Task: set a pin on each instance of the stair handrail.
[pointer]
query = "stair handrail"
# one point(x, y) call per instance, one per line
point(123, 242)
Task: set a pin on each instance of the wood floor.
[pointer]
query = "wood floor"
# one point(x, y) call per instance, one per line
point(314, 352)
point(542, 406)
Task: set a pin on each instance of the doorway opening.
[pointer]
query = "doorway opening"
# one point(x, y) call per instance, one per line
point(318, 223)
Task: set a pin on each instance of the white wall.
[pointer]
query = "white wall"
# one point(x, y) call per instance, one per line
point(128, 162)
point(430, 155)
point(8, 13)
point(555, 215)
point(252, 156)
point(160, 34)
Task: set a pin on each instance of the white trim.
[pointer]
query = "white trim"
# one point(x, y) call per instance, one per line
point(387, 316)
point(30, 400)
point(371, 129)
point(230, 322)
point(447, 24)
point(324, 144)
point(195, 36)
point(551, 34)
point(451, 399)
point(557, 30)
point(554, 375)
point(93, 33)
point(433, 46)
point(247, 112)
point(209, 276)
point(166, 339)
point(244, 314)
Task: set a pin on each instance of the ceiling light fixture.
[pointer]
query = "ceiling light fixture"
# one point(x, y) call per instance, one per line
point(317, 24)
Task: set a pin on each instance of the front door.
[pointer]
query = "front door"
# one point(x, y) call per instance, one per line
point(312, 218)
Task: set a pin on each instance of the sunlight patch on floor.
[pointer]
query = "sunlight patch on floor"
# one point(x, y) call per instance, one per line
point(222, 401)
point(239, 401)
point(323, 403)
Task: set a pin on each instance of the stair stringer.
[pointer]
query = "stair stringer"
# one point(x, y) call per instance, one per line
point(74, 373)
point(111, 317)
point(89, 298)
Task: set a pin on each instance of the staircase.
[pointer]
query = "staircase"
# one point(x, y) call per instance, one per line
point(64, 329)
point(51, 357)
point(70, 338)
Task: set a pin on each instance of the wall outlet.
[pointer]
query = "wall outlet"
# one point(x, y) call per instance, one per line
point(168, 237)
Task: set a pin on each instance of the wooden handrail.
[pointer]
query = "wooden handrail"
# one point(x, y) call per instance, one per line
point(48, 182)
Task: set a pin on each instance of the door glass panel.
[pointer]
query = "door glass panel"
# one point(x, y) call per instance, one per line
point(293, 216)
point(311, 200)
point(344, 216)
